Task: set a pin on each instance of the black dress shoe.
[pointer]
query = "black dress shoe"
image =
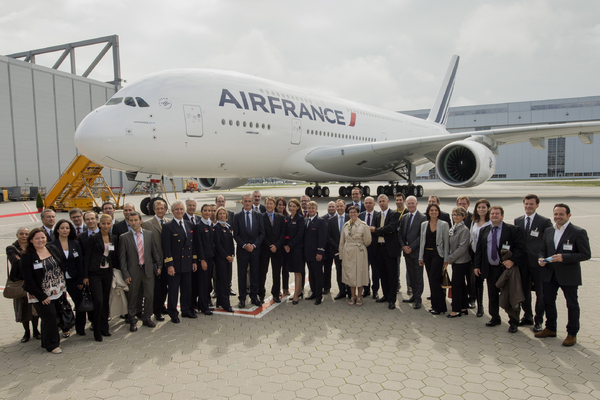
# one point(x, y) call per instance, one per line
point(276, 299)
point(98, 337)
point(466, 312)
point(232, 293)
point(189, 315)
point(133, 327)
point(107, 334)
point(242, 304)
point(340, 296)
point(228, 309)
point(381, 300)
point(391, 306)
point(525, 321)
point(471, 304)
point(148, 323)
point(207, 312)
point(417, 305)
point(411, 300)
point(435, 312)
point(256, 302)
point(311, 297)
point(537, 328)
point(159, 317)
point(317, 302)
point(492, 322)
point(37, 335)
point(513, 328)
point(455, 315)
point(164, 311)
point(376, 296)
point(175, 320)
point(25, 338)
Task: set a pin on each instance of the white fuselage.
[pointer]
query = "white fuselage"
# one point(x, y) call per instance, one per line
point(206, 123)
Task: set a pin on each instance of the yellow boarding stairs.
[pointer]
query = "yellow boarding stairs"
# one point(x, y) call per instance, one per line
point(79, 186)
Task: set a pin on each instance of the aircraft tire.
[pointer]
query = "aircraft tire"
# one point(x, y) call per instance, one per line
point(342, 191)
point(310, 192)
point(367, 190)
point(379, 190)
point(325, 191)
point(318, 191)
point(144, 205)
point(420, 191)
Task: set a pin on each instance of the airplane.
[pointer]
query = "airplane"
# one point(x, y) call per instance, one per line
point(227, 127)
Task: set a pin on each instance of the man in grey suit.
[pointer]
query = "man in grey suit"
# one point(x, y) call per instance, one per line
point(533, 226)
point(140, 261)
point(410, 240)
point(568, 245)
point(155, 225)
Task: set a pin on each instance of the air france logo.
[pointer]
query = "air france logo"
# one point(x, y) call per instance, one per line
point(271, 104)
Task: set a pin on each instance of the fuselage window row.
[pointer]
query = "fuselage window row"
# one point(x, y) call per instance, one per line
point(244, 124)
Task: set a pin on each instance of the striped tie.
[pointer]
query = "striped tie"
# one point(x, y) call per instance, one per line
point(140, 247)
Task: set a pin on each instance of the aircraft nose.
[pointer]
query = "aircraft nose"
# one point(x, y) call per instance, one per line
point(90, 138)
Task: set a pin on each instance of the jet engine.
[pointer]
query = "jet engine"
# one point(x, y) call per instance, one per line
point(465, 164)
point(222, 183)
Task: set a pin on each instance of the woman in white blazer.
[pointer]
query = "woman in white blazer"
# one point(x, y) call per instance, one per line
point(433, 254)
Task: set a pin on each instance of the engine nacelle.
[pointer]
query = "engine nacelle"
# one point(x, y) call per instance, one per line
point(222, 183)
point(465, 164)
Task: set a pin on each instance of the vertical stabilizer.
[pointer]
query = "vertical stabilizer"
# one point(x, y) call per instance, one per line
point(439, 111)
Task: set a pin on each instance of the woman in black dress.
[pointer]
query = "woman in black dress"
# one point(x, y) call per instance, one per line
point(293, 258)
point(98, 266)
point(23, 310)
point(225, 253)
point(281, 208)
point(71, 258)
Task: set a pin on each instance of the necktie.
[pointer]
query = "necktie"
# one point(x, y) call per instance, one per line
point(271, 218)
point(494, 243)
point(305, 214)
point(162, 222)
point(140, 248)
point(182, 228)
point(381, 224)
point(369, 219)
point(341, 220)
point(528, 227)
point(78, 230)
point(410, 219)
point(307, 222)
point(248, 223)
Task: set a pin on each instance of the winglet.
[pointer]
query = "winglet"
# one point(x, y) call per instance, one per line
point(439, 111)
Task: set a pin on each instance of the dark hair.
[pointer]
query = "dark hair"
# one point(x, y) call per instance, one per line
point(75, 211)
point(497, 208)
point(353, 207)
point(134, 213)
point(532, 196)
point(285, 212)
point(563, 205)
point(357, 188)
point(476, 214)
point(400, 194)
point(71, 236)
point(30, 248)
point(429, 207)
point(108, 203)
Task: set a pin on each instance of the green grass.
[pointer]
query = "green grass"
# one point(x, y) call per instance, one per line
point(575, 183)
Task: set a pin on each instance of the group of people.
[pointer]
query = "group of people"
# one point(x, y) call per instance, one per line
point(188, 260)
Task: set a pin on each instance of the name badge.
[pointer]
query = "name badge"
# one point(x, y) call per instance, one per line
point(206, 230)
point(505, 247)
point(38, 265)
point(568, 247)
point(75, 254)
point(111, 247)
point(535, 233)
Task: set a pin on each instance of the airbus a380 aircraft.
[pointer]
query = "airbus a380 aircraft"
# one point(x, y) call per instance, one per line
point(228, 127)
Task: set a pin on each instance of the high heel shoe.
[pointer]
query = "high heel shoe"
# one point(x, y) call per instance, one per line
point(359, 301)
point(352, 301)
point(455, 315)
point(294, 302)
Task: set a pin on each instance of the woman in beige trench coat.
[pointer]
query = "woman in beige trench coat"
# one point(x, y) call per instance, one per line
point(355, 238)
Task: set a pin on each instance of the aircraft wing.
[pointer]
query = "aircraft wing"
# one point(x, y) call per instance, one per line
point(371, 159)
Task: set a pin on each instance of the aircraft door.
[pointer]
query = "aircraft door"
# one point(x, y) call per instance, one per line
point(296, 131)
point(193, 120)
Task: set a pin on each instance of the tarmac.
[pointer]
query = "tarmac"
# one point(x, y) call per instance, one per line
point(331, 351)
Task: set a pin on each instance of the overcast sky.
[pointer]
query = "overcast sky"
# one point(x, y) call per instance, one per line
point(390, 54)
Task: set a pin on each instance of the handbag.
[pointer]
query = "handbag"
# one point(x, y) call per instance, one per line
point(66, 317)
point(86, 304)
point(446, 282)
point(13, 289)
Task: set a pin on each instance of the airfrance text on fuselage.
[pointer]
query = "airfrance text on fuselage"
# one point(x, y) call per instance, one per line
point(288, 107)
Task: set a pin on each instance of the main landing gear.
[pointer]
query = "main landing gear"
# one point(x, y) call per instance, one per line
point(408, 190)
point(317, 191)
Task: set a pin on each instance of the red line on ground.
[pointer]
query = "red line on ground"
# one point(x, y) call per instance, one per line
point(18, 214)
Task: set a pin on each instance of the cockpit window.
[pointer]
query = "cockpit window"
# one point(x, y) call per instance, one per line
point(114, 101)
point(129, 101)
point(141, 102)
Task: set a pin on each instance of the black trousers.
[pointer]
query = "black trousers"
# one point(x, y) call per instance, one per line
point(195, 289)
point(245, 258)
point(76, 295)
point(374, 284)
point(50, 335)
point(180, 288)
point(100, 283)
point(434, 264)
point(573, 311)
point(222, 282)
point(415, 272)
point(327, 264)
point(471, 282)
point(388, 272)
point(276, 259)
point(494, 294)
point(533, 275)
point(204, 284)
point(460, 298)
point(160, 291)
point(315, 270)
point(338, 271)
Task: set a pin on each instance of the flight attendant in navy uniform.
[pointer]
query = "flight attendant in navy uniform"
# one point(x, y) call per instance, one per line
point(224, 256)
point(177, 239)
point(205, 244)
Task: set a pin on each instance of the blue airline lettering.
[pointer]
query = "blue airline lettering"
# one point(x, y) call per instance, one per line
point(289, 106)
point(255, 102)
point(271, 103)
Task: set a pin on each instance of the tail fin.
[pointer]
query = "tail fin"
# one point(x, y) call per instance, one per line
point(439, 111)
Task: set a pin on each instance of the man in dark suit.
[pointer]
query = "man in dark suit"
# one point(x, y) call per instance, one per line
point(533, 226)
point(356, 195)
point(368, 216)
point(205, 250)
point(444, 216)
point(140, 262)
point(155, 225)
point(190, 211)
point(271, 250)
point(220, 202)
point(328, 261)
point(488, 264)
point(256, 206)
point(76, 216)
point(177, 238)
point(304, 205)
point(191, 217)
point(48, 217)
point(410, 240)
point(567, 245)
point(248, 233)
point(385, 234)
point(123, 226)
point(315, 239)
point(334, 229)
point(400, 199)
